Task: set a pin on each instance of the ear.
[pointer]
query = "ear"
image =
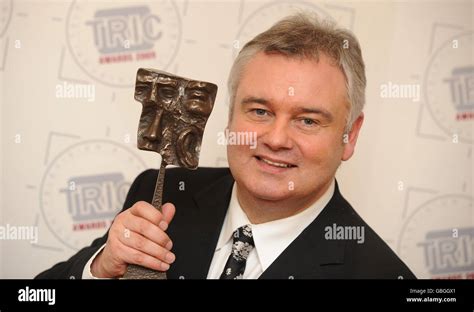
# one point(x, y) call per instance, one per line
point(349, 147)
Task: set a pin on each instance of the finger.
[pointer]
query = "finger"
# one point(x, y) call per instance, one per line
point(146, 211)
point(133, 256)
point(148, 230)
point(168, 211)
point(138, 242)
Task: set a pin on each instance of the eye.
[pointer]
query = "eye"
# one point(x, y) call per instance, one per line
point(197, 95)
point(198, 108)
point(141, 89)
point(259, 111)
point(167, 92)
point(308, 122)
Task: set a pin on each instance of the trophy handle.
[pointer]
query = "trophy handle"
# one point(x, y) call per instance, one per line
point(138, 272)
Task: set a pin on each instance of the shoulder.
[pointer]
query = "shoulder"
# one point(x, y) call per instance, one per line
point(199, 177)
point(369, 255)
point(177, 180)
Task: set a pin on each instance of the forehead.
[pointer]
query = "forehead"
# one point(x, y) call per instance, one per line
point(161, 77)
point(282, 79)
point(153, 75)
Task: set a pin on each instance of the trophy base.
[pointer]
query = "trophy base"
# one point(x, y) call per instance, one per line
point(139, 272)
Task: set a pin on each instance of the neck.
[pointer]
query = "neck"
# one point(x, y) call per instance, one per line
point(259, 210)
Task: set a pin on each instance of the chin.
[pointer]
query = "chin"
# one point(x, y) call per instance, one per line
point(268, 191)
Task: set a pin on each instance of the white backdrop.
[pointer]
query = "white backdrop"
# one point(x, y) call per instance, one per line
point(68, 117)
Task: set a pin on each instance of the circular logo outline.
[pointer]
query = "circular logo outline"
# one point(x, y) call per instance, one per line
point(9, 14)
point(425, 83)
point(424, 206)
point(115, 85)
point(51, 164)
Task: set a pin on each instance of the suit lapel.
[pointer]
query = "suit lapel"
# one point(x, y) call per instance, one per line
point(310, 255)
point(203, 224)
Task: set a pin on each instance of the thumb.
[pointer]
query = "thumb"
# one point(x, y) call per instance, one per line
point(168, 210)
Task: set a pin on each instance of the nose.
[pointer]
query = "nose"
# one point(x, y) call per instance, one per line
point(276, 137)
point(153, 133)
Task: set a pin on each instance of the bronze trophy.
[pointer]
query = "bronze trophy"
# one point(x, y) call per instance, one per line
point(175, 112)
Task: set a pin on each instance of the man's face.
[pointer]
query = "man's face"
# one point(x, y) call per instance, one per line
point(175, 112)
point(298, 109)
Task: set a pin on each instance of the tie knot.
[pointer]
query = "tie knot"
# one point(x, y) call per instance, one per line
point(241, 247)
point(243, 242)
point(244, 234)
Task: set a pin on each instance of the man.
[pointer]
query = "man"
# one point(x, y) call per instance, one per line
point(300, 87)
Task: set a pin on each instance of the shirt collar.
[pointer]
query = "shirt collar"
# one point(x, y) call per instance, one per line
point(271, 238)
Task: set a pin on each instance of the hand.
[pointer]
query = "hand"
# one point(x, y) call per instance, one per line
point(137, 236)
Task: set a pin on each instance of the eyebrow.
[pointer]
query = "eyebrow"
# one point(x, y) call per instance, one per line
point(305, 110)
point(299, 110)
point(253, 99)
point(167, 81)
point(199, 86)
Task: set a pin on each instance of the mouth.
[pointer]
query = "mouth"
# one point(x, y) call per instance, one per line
point(147, 145)
point(274, 162)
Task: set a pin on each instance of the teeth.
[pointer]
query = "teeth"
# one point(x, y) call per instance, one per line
point(275, 164)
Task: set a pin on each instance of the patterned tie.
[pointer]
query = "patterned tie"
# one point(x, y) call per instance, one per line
point(243, 244)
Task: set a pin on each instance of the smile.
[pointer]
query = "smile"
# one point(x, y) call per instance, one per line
point(275, 163)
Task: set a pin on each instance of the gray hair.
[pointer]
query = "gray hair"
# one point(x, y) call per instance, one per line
point(305, 36)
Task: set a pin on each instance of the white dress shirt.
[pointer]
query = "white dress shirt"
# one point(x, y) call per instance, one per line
point(87, 273)
point(270, 238)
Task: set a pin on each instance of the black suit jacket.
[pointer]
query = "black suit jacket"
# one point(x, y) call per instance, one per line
point(200, 211)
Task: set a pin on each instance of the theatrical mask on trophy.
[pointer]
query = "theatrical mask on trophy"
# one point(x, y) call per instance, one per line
point(175, 112)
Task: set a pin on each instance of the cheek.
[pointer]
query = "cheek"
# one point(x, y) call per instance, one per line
point(240, 123)
point(238, 153)
point(239, 158)
point(322, 150)
point(248, 131)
